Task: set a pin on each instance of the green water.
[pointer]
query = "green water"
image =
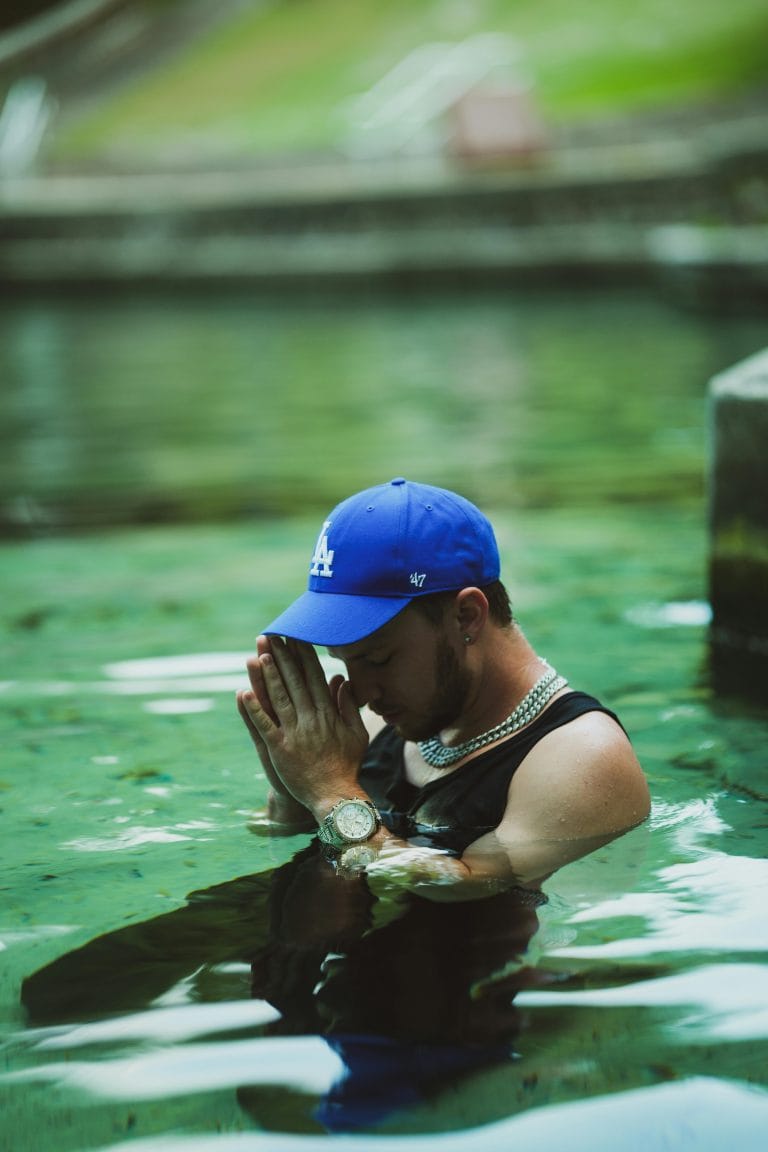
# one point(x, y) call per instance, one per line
point(126, 781)
point(168, 409)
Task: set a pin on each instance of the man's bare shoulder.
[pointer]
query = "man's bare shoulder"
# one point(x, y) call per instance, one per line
point(583, 779)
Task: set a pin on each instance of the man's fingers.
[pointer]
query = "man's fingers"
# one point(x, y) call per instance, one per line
point(281, 679)
point(283, 673)
point(259, 723)
point(302, 673)
point(259, 743)
point(314, 676)
point(246, 717)
point(349, 710)
point(255, 675)
point(243, 710)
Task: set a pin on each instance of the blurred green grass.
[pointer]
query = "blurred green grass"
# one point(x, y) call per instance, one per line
point(275, 78)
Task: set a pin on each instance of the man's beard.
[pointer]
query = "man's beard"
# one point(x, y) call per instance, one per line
point(452, 683)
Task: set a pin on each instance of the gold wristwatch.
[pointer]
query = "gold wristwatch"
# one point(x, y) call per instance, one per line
point(349, 822)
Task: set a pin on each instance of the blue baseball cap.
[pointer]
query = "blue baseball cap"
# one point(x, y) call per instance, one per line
point(379, 550)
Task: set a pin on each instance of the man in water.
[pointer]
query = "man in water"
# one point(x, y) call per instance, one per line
point(447, 776)
point(452, 760)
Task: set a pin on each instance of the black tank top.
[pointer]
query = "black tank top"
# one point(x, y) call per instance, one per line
point(456, 808)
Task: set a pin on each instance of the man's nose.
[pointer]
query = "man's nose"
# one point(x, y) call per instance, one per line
point(364, 687)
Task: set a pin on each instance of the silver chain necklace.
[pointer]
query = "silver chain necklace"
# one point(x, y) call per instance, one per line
point(438, 755)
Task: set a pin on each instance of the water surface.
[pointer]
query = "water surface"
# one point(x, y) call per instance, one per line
point(127, 782)
point(164, 408)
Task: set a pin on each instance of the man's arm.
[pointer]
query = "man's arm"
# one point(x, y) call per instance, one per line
point(580, 787)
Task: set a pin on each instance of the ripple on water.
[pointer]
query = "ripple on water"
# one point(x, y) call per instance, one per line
point(129, 838)
point(305, 1063)
point(672, 614)
point(183, 683)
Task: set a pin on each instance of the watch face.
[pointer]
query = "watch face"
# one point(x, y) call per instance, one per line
point(354, 820)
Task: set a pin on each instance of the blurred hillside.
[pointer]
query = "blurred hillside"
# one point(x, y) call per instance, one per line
point(15, 12)
point(158, 83)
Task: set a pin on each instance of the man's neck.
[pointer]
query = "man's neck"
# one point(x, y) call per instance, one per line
point(508, 668)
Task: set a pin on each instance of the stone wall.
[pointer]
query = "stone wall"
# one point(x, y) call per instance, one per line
point(738, 506)
point(586, 216)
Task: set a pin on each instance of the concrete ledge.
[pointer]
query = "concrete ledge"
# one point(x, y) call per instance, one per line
point(596, 213)
point(738, 506)
point(154, 254)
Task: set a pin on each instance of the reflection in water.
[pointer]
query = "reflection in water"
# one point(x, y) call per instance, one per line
point(294, 1000)
point(408, 998)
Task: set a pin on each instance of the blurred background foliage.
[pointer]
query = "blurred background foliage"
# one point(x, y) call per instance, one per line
point(262, 77)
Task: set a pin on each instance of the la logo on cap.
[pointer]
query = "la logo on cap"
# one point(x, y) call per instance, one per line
point(323, 556)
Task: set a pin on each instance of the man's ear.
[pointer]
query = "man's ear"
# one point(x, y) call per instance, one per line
point(470, 613)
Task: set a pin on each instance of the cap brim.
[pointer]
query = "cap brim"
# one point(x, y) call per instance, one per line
point(333, 619)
